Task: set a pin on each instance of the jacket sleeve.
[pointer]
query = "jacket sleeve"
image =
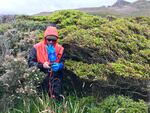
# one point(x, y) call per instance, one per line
point(62, 60)
point(32, 59)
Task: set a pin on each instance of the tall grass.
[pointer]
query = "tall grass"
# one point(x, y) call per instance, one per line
point(43, 104)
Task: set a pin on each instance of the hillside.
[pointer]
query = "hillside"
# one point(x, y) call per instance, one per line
point(106, 68)
point(120, 3)
point(138, 8)
point(120, 9)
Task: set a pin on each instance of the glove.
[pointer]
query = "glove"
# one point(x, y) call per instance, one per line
point(57, 66)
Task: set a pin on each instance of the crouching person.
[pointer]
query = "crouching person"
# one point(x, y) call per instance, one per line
point(48, 56)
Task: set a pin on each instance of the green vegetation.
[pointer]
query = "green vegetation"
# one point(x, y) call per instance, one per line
point(104, 57)
point(120, 104)
point(112, 104)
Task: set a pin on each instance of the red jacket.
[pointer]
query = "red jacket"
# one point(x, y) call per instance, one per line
point(42, 55)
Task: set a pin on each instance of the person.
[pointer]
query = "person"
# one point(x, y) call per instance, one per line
point(48, 56)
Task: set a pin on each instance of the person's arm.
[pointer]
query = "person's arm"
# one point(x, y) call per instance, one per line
point(62, 60)
point(32, 59)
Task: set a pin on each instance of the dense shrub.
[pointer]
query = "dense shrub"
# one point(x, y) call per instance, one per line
point(121, 104)
point(74, 17)
point(4, 27)
point(17, 81)
point(27, 26)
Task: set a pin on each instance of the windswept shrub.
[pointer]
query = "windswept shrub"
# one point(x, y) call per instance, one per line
point(74, 17)
point(85, 70)
point(66, 17)
point(132, 70)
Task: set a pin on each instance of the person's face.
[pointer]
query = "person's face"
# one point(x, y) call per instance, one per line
point(50, 40)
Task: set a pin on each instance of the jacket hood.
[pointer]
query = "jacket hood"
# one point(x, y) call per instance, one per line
point(50, 31)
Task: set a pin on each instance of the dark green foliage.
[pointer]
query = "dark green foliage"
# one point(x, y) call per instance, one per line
point(121, 68)
point(85, 70)
point(66, 17)
point(70, 20)
point(121, 104)
point(131, 70)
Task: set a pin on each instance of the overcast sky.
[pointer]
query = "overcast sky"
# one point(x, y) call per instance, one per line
point(36, 6)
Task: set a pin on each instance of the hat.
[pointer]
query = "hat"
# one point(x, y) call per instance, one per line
point(51, 37)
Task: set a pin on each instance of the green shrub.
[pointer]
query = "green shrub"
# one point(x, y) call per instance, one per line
point(132, 70)
point(121, 104)
point(4, 27)
point(85, 70)
point(66, 17)
point(74, 17)
point(27, 25)
point(32, 18)
point(17, 81)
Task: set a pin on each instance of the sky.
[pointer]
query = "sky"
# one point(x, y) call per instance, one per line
point(36, 6)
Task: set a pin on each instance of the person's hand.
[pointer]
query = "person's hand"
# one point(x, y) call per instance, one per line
point(56, 66)
point(46, 65)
